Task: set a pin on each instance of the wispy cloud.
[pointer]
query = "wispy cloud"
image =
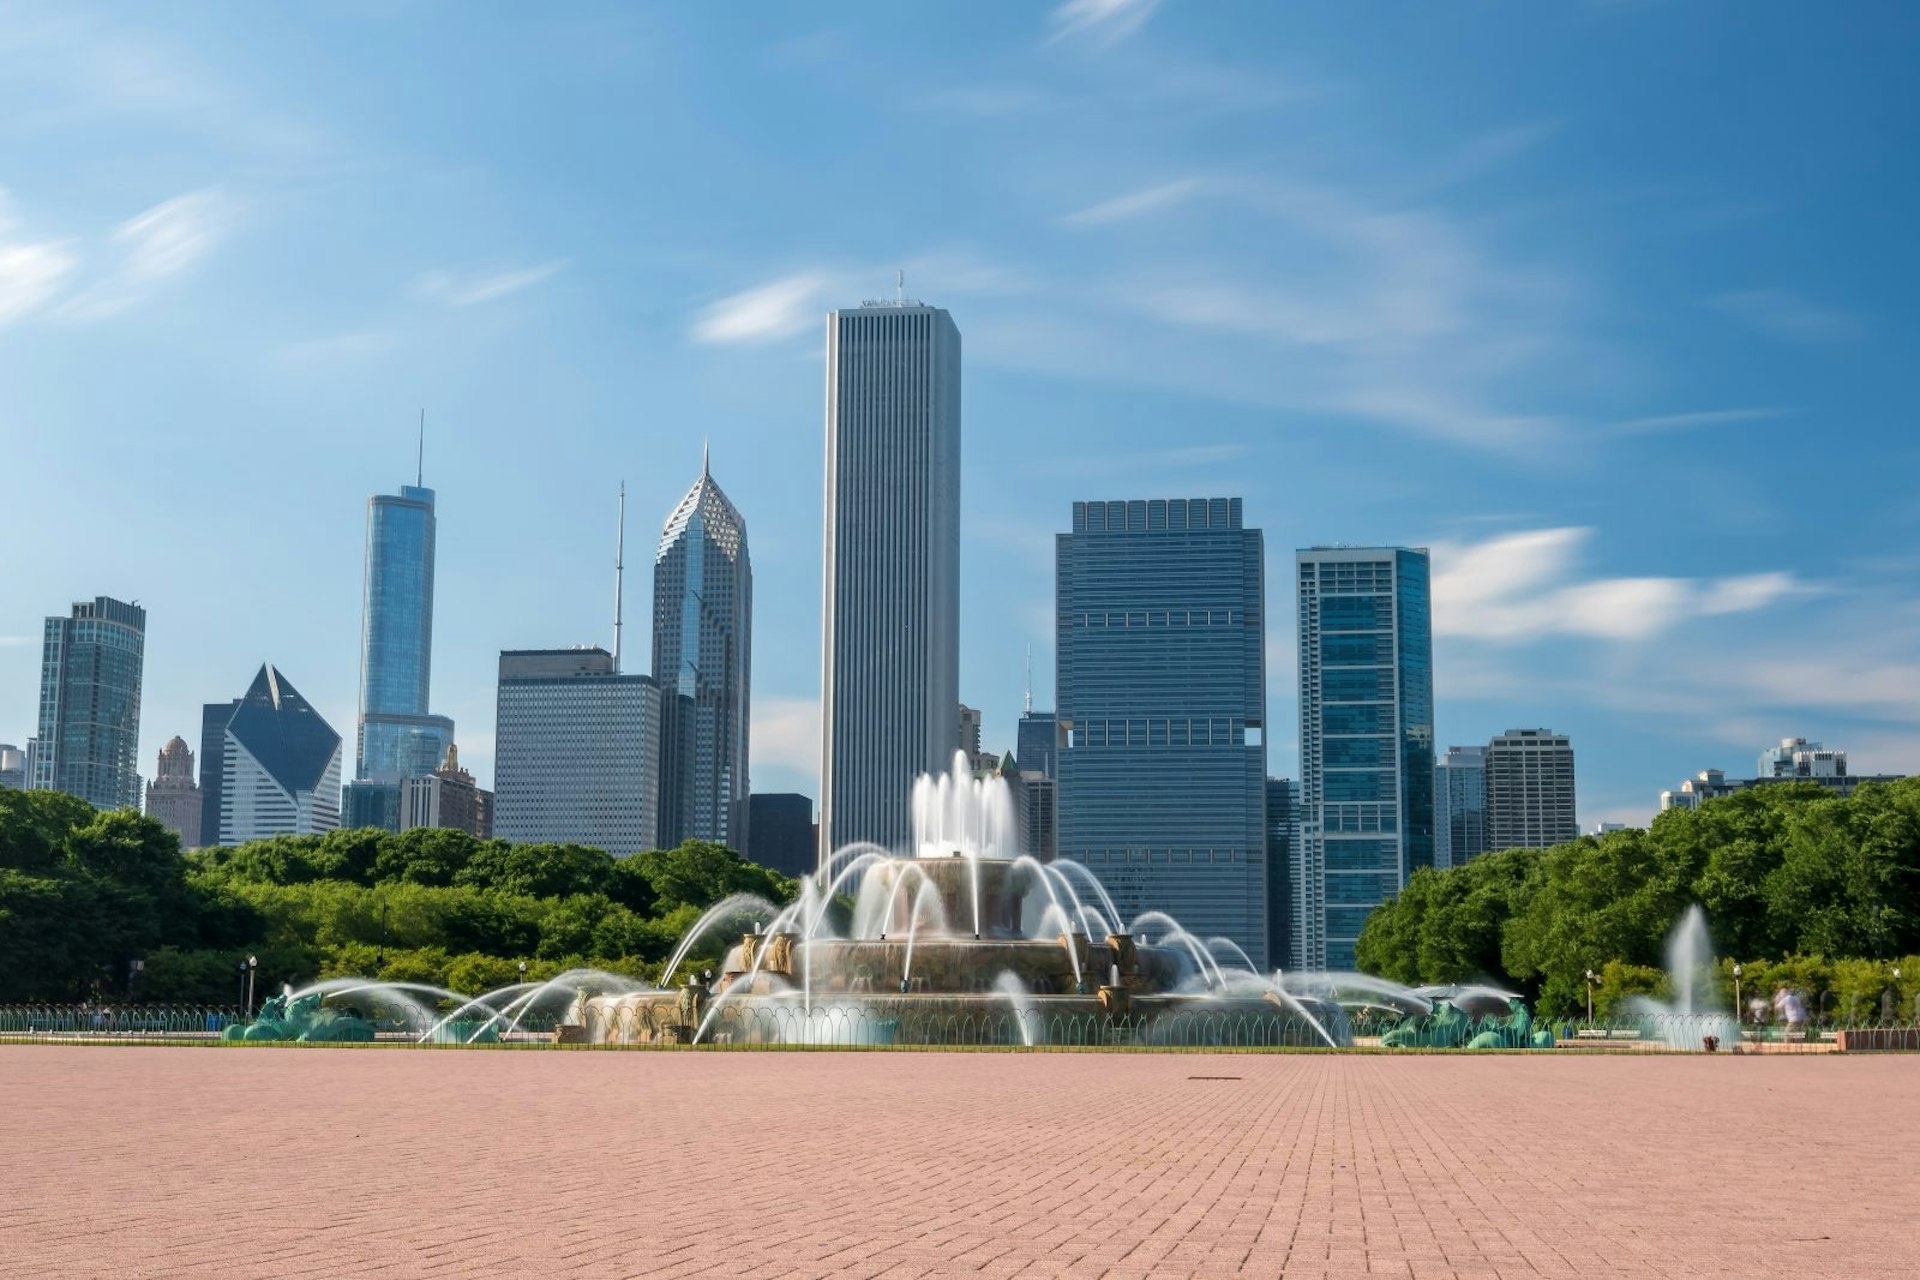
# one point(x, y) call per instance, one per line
point(1520, 587)
point(1786, 316)
point(150, 248)
point(985, 101)
point(765, 313)
point(1134, 204)
point(32, 272)
point(18, 640)
point(467, 289)
point(1667, 422)
point(329, 353)
point(1103, 22)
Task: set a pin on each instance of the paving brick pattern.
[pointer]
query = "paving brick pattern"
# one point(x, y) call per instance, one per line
point(286, 1162)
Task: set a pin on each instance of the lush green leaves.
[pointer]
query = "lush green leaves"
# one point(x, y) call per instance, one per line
point(1779, 870)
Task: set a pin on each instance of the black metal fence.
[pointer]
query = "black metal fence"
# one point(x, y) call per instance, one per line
point(828, 1025)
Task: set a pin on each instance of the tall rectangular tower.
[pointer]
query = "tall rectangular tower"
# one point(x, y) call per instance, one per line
point(91, 664)
point(398, 737)
point(1530, 790)
point(1366, 740)
point(576, 751)
point(1460, 807)
point(702, 659)
point(1161, 696)
point(890, 608)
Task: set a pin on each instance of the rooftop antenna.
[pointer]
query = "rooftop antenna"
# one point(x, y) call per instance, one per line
point(900, 285)
point(1029, 679)
point(619, 574)
point(420, 455)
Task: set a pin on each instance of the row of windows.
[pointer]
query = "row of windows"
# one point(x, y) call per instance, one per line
point(1162, 618)
point(1164, 733)
point(1160, 855)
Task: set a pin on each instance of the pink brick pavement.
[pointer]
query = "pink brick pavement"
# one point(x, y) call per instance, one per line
point(321, 1163)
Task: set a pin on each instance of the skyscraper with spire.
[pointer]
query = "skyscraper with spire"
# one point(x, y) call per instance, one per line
point(398, 736)
point(890, 647)
point(702, 659)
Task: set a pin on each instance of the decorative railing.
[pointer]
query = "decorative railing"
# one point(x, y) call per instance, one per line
point(847, 1025)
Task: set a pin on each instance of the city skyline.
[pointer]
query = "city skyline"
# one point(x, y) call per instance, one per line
point(1118, 329)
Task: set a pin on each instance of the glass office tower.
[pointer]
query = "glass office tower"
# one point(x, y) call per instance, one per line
point(890, 621)
point(90, 671)
point(1366, 740)
point(702, 658)
point(1161, 697)
point(1460, 806)
point(398, 738)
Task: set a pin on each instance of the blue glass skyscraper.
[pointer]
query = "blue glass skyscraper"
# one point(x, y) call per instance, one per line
point(702, 660)
point(398, 737)
point(90, 672)
point(1161, 697)
point(1366, 741)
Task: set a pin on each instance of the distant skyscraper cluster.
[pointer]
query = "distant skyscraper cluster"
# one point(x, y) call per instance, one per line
point(1150, 770)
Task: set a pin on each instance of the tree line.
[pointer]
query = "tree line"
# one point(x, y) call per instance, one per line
point(87, 895)
point(1802, 886)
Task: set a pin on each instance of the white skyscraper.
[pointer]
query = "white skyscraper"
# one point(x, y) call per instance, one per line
point(890, 655)
point(1530, 801)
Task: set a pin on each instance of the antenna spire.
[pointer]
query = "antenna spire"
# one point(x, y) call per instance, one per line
point(619, 574)
point(1029, 679)
point(420, 455)
point(900, 284)
point(706, 452)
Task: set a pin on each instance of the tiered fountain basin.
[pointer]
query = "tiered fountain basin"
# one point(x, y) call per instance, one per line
point(960, 949)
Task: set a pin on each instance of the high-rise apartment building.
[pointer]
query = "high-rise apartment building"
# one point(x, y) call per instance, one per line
point(398, 737)
point(1366, 740)
point(173, 797)
point(890, 657)
point(1459, 806)
point(446, 798)
point(702, 658)
point(1283, 839)
point(13, 767)
point(1161, 695)
point(1529, 790)
point(780, 832)
point(576, 751)
point(280, 765)
point(90, 671)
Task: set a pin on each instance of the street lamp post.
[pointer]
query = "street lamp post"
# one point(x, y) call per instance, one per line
point(1737, 1006)
point(240, 997)
point(1592, 978)
point(253, 963)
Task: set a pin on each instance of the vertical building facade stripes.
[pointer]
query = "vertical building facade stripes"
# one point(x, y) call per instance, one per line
point(890, 608)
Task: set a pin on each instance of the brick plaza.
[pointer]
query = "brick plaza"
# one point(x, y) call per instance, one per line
point(265, 1161)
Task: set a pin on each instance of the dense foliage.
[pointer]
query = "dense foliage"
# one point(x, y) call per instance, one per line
point(85, 893)
point(1826, 887)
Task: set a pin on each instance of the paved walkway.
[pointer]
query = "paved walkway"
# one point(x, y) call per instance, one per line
point(287, 1162)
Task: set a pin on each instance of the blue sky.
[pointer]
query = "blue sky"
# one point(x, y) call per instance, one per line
point(1603, 302)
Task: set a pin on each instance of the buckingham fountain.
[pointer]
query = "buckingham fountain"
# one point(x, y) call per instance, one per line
point(962, 939)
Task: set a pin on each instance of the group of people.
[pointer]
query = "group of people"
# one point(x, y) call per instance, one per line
point(1786, 1008)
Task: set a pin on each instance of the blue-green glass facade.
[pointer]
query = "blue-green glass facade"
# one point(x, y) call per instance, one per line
point(91, 664)
point(397, 735)
point(1366, 741)
point(1161, 699)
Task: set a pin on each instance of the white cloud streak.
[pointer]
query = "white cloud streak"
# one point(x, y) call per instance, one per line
point(151, 248)
point(765, 313)
point(457, 289)
point(786, 735)
point(32, 272)
point(1133, 205)
point(1103, 22)
point(1520, 587)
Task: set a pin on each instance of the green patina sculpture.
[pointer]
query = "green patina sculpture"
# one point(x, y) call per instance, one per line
point(1449, 1028)
point(305, 1019)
